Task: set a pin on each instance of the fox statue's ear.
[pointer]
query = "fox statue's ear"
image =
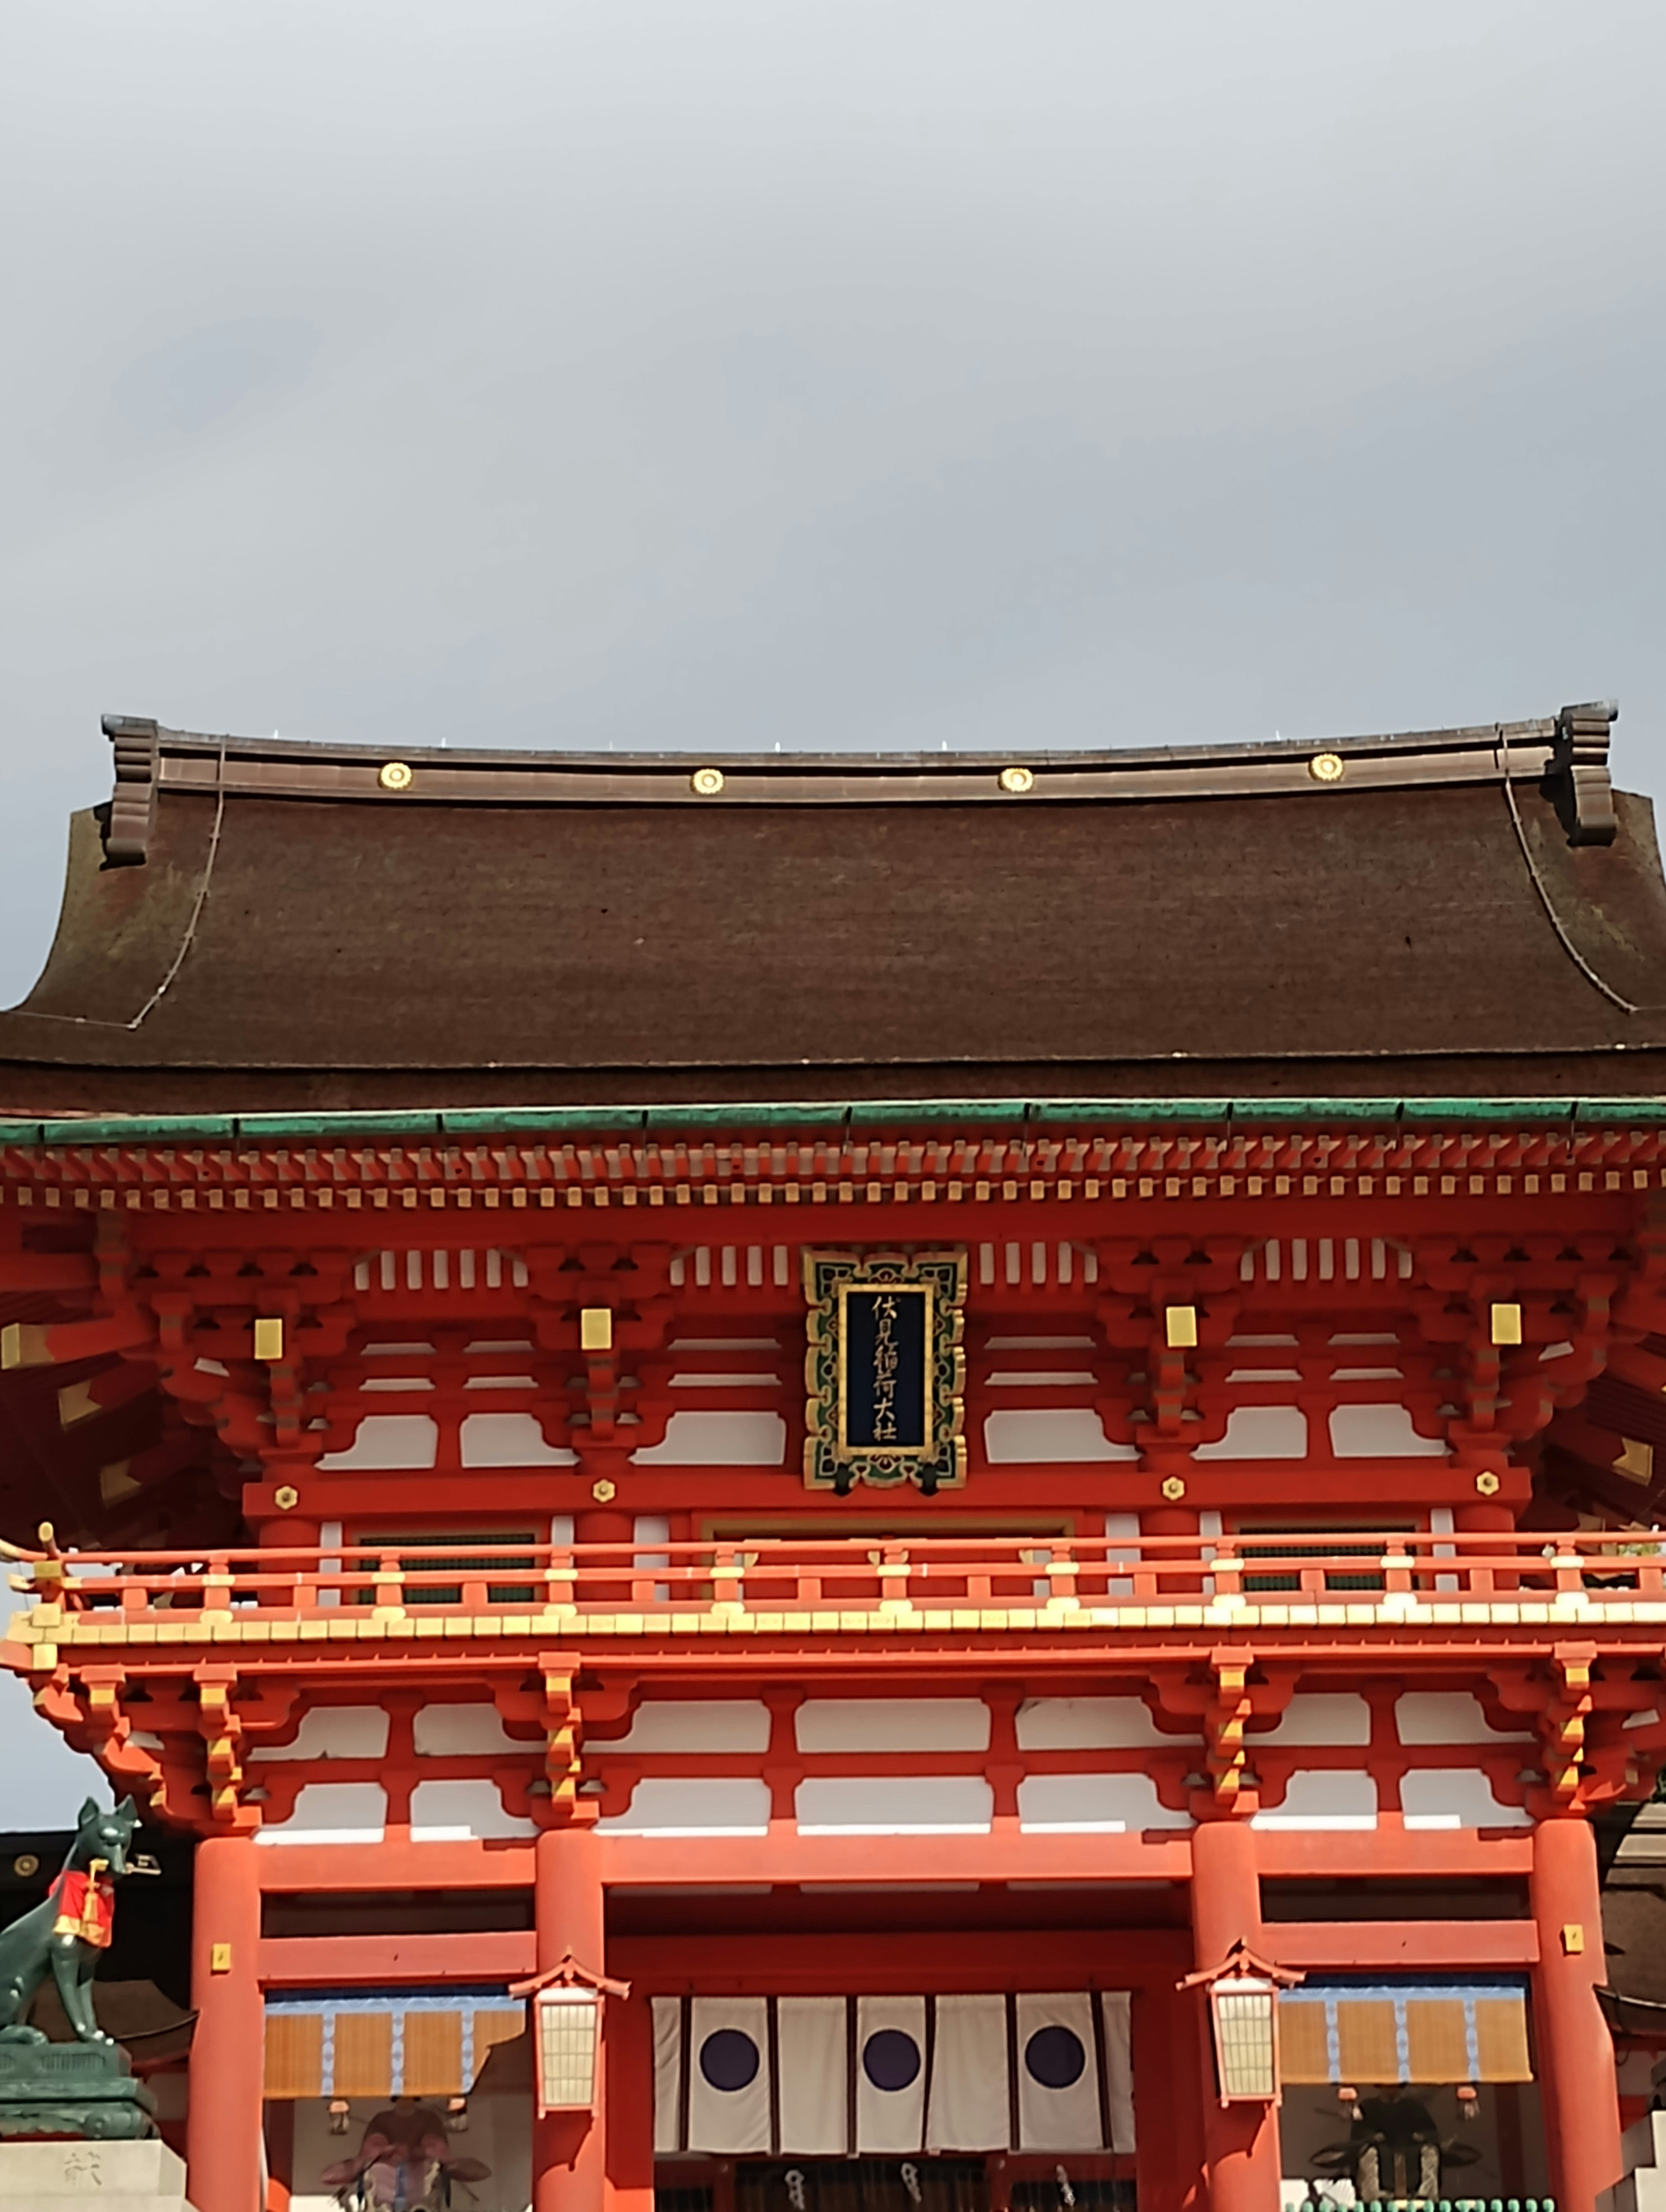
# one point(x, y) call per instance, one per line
point(128, 1811)
point(88, 1813)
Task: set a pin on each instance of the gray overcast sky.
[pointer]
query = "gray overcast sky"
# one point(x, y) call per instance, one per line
point(833, 373)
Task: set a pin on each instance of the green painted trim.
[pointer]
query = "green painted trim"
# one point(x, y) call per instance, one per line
point(563, 1122)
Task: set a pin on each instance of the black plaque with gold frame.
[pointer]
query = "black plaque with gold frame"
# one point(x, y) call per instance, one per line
point(885, 1371)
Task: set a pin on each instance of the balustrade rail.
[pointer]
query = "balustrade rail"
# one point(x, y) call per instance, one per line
point(1399, 1572)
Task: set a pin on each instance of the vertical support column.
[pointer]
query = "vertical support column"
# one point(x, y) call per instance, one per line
point(228, 2048)
point(1577, 2085)
point(630, 2104)
point(1167, 2109)
point(569, 2154)
point(287, 1532)
point(1240, 2141)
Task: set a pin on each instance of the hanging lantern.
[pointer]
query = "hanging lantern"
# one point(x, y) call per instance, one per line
point(1244, 2014)
point(567, 2014)
point(566, 2022)
point(1243, 2010)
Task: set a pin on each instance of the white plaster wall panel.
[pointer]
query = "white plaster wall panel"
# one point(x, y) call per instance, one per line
point(333, 1732)
point(688, 1805)
point(892, 1725)
point(692, 1725)
point(1095, 1804)
point(894, 1805)
point(725, 1439)
point(1260, 1433)
point(391, 1442)
point(1448, 1716)
point(1089, 1724)
point(1380, 1432)
point(1455, 1798)
point(462, 1812)
point(332, 1813)
point(1333, 1799)
point(510, 1440)
point(1066, 1434)
point(1321, 1718)
point(463, 1731)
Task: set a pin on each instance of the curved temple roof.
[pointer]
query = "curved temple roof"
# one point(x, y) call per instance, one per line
point(254, 925)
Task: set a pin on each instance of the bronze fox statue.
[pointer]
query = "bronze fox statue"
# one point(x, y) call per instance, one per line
point(69, 1929)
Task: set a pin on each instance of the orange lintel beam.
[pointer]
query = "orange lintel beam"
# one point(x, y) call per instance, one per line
point(1395, 1852)
point(1397, 1946)
point(396, 1863)
point(786, 1962)
point(335, 1961)
point(52, 1344)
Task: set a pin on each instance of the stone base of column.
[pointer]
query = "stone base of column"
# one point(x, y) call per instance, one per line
point(118, 2177)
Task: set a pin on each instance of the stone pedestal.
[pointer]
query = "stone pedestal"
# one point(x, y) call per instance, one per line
point(85, 2090)
point(1642, 2185)
point(117, 2177)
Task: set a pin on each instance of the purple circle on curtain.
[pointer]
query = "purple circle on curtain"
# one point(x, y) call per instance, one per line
point(728, 2059)
point(1054, 2058)
point(890, 2059)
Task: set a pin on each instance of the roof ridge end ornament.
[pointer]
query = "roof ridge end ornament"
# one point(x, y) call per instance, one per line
point(1576, 780)
point(135, 740)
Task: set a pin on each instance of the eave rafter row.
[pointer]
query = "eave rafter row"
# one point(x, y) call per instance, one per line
point(1114, 1166)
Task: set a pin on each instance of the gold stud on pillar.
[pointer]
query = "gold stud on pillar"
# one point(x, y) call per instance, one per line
point(268, 1341)
point(1507, 1324)
point(1180, 1327)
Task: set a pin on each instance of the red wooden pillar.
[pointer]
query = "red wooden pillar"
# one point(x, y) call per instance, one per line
point(1167, 2109)
point(1577, 2084)
point(227, 2054)
point(569, 2152)
point(1240, 2141)
point(284, 1533)
point(630, 2104)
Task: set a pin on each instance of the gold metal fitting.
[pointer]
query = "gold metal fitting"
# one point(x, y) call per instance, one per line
point(269, 1338)
point(604, 1490)
point(1488, 1483)
point(394, 775)
point(1173, 1489)
point(706, 782)
point(1507, 1324)
point(286, 1497)
point(1180, 1328)
point(1018, 779)
point(25, 1864)
point(595, 1328)
point(1326, 768)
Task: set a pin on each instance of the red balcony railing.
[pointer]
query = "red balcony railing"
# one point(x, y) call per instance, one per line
point(1390, 1575)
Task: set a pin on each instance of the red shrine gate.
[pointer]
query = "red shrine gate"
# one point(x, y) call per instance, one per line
point(771, 1654)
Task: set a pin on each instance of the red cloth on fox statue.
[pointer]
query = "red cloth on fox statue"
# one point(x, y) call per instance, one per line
point(86, 1907)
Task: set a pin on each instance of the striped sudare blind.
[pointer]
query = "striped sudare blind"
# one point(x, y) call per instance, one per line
point(384, 2043)
point(1424, 2031)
